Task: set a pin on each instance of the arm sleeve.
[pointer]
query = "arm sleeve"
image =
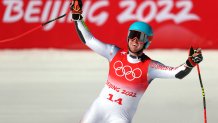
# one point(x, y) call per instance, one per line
point(159, 70)
point(106, 50)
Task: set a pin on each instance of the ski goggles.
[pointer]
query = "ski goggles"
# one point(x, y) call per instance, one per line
point(140, 35)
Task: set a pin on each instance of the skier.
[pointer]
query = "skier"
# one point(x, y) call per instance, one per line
point(130, 71)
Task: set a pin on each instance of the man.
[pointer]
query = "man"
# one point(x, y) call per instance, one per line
point(130, 71)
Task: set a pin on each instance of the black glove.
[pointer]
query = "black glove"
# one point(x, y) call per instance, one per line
point(195, 57)
point(76, 8)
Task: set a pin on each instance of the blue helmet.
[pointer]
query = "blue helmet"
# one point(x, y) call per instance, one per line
point(145, 28)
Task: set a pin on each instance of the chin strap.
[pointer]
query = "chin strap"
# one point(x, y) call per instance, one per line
point(147, 44)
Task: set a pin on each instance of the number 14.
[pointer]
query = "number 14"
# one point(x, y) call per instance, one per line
point(119, 101)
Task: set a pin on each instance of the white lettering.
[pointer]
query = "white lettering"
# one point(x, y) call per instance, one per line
point(101, 18)
point(127, 14)
point(11, 7)
point(164, 14)
point(185, 14)
point(40, 11)
point(86, 8)
point(64, 10)
point(150, 16)
point(46, 11)
point(31, 11)
point(54, 14)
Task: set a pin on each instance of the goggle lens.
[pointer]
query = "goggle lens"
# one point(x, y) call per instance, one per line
point(140, 35)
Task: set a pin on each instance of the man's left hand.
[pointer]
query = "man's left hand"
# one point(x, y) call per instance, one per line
point(195, 57)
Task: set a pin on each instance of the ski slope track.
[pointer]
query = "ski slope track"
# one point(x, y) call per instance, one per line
point(57, 86)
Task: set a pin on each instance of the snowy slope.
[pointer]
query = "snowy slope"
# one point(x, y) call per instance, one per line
point(57, 86)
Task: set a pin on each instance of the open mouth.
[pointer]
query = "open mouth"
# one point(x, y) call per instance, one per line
point(135, 45)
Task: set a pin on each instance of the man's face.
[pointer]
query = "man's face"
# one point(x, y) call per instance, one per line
point(135, 45)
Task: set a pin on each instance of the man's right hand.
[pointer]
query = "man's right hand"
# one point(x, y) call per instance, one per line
point(76, 8)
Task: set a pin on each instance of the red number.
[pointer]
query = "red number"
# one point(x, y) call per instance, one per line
point(119, 101)
point(128, 93)
point(110, 98)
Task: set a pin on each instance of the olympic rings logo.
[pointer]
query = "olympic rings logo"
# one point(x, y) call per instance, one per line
point(126, 71)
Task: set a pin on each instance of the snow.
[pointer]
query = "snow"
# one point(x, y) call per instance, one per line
point(57, 86)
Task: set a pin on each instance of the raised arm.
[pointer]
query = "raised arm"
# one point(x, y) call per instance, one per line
point(106, 50)
point(159, 70)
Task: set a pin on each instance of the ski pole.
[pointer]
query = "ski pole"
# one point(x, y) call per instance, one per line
point(34, 29)
point(31, 30)
point(203, 94)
